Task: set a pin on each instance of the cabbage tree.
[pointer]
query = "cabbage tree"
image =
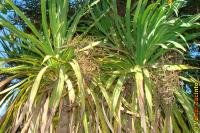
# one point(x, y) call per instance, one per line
point(137, 42)
point(44, 67)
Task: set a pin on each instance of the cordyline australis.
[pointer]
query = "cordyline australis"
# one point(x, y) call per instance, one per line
point(52, 84)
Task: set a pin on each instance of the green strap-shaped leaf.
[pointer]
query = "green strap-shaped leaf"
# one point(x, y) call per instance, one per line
point(35, 87)
point(104, 92)
point(46, 58)
point(26, 20)
point(117, 92)
point(45, 24)
point(138, 9)
point(74, 24)
point(79, 77)
point(77, 71)
point(57, 92)
point(55, 97)
point(179, 118)
point(177, 45)
point(99, 110)
point(52, 16)
point(186, 104)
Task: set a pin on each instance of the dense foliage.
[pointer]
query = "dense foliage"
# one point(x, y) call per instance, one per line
point(97, 69)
